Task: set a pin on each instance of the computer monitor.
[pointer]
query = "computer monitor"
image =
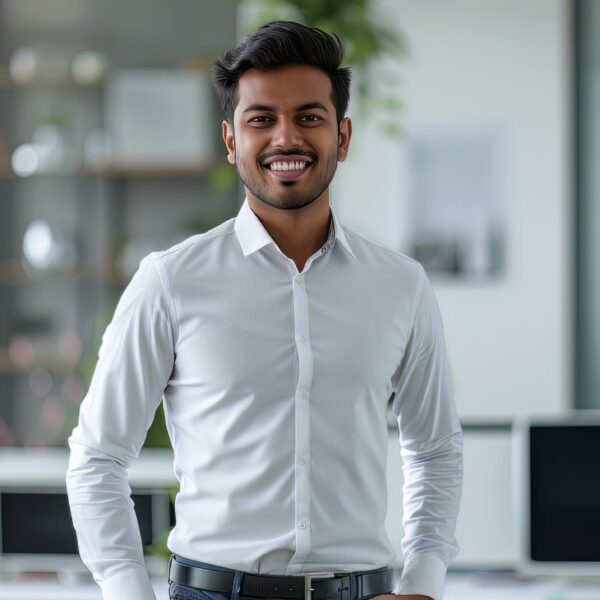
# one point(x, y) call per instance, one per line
point(556, 468)
point(36, 531)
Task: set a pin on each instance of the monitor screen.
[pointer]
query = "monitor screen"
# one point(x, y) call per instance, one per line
point(39, 521)
point(556, 468)
point(36, 530)
point(564, 491)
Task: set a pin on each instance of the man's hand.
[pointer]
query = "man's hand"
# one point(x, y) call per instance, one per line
point(404, 596)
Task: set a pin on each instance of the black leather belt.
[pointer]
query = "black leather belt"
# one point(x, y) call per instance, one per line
point(313, 586)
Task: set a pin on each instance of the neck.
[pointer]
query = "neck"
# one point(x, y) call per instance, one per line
point(298, 233)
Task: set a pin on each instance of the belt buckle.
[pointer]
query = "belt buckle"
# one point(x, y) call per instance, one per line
point(308, 582)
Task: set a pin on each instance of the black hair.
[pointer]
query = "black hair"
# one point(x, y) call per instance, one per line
point(277, 44)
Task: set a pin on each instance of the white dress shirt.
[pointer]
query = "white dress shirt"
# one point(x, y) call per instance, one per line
point(275, 389)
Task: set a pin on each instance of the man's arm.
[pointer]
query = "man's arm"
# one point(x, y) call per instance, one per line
point(431, 449)
point(134, 365)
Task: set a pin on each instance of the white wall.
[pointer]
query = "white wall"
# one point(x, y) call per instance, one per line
point(504, 63)
point(486, 528)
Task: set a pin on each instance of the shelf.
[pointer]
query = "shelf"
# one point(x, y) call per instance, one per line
point(124, 171)
point(6, 365)
point(159, 170)
point(12, 273)
point(7, 83)
point(53, 363)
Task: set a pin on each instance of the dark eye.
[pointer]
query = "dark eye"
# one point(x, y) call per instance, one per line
point(310, 118)
point(260, 120)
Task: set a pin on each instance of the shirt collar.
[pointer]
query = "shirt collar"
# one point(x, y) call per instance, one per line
point(253, 236)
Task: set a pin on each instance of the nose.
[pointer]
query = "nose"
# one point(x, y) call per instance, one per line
point(286, 134)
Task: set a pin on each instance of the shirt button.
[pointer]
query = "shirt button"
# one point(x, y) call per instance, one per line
point(302, 394)
point(301, 338)
point(302, 461)
point(302, 525)
point(299, 279)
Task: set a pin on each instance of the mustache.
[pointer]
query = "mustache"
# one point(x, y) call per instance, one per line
point(290, 152)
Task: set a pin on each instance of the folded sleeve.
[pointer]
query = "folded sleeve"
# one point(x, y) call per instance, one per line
point(134, 365)
point(430, 438)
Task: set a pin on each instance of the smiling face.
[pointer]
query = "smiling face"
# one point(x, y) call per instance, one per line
point(285, 140)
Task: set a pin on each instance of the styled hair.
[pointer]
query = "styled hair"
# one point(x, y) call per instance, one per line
point(277, 44)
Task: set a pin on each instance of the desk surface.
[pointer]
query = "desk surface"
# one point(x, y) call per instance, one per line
point(483, 586)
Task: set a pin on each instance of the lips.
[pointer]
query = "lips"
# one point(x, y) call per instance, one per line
point(290, 174)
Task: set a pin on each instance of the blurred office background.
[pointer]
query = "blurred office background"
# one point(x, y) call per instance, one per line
point(476, 133)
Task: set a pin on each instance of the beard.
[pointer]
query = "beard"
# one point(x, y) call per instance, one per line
point(290, 194)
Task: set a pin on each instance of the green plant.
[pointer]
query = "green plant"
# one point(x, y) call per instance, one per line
point(364, 35)
point(159, 546)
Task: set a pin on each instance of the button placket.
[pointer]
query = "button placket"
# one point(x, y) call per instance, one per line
point(302, 418)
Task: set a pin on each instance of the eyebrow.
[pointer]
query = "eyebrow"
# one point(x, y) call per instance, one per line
point(264, 107)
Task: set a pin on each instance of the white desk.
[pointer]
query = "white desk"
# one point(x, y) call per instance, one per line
point(54, 590)
point(458, 587)
point(506, 586)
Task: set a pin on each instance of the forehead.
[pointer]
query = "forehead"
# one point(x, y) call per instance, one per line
point(284, 87)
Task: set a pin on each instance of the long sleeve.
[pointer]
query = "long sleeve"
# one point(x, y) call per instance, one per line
point(134, 366)
point(431, 449)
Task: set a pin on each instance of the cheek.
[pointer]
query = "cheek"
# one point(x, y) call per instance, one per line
point(247, 151)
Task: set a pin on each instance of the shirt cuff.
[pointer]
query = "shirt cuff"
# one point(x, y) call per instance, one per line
point(422, 574)
point(127, 584)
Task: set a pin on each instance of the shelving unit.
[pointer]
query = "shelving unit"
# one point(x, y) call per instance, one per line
point(124, 171)
point(97, 211)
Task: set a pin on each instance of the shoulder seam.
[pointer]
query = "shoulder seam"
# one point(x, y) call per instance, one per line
point(166, 288)
point(420, 284)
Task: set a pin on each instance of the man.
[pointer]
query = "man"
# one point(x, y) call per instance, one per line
point(277, 339)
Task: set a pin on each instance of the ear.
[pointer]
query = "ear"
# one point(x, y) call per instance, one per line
point(229, 139)
point(344, 138)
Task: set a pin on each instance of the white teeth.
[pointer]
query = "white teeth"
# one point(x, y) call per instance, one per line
point(288, 166)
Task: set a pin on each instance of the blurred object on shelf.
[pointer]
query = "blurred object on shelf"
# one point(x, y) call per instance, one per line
point(97, 150)
point(73, 390)
point(29, 351)
point(40, 381)
point(47, 249)
point(4, 153)
point(52, 414)
point(29, 65)
point(48, 152)
point(49, 140)
point(70, 347)
point(23, 65)
point(89, 67)
point(24, 160)
point(7, 437)
point(160, 116)
point(45, 153)
point(20, 351)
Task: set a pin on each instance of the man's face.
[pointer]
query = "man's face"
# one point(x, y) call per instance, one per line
point(285, 140)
